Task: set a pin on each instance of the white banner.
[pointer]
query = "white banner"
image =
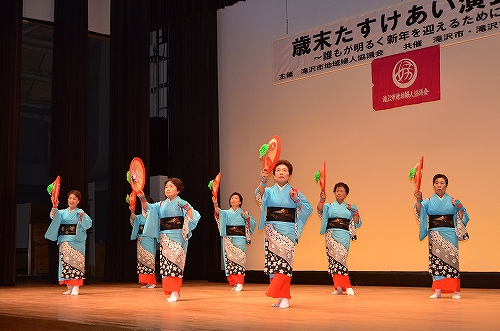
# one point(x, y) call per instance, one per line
point(399, 28)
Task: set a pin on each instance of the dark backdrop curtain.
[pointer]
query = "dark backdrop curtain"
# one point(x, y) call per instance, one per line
point(192, 126)
point(69, 117)
point(193, 116)
point(10, 99)
point(194, 131)
point(129, 129)
point(170, 12)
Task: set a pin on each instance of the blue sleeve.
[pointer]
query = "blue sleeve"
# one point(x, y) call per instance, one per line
point(263, 212)
point(423, 220)
point(194, 221)
point(253, 223)
point(53, 229)
point(152, 223)
point(84, 223)
point(324, 218)
point(135, 228)
point(304, 213)
point(223, 222)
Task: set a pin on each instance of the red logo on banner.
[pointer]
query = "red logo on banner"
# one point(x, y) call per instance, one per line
point(407, 78)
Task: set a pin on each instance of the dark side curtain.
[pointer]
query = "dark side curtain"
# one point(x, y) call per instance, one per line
point(69, 117)
point(129, 129)
point(10, 99)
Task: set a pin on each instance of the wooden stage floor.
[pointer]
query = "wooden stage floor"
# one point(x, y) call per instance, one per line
point(213, 306)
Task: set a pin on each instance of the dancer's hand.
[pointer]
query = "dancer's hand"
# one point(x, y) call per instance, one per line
point(294, 195)
point(418, 195)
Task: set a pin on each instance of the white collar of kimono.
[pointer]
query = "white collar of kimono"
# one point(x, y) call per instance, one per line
point(281, 187)
point(440, 198)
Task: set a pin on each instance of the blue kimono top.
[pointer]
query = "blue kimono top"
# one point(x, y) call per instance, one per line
point(275, 196)
point(64, 217)
point(437, 206)
point(232, 217)
point(170, 208)
point(336, 210)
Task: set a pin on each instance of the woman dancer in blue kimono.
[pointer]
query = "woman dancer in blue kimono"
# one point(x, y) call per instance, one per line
point(338, 223)
point(69, 228)
point(443, 219)
point(284, 213)
point(235, 227)
point(172, 222)
point(146, 249)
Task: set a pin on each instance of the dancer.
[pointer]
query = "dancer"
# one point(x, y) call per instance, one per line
point(284, 213)
point(146, 249)
point(172, 222)
point(339, 221)
point(235, 227)
point(443, 219)
point(69, 228)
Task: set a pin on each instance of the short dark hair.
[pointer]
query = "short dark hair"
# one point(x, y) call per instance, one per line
point(436, 176)
point(77, 194)
point(286, 163)
point(177, 183)
point(341, 184)
point(239, 195)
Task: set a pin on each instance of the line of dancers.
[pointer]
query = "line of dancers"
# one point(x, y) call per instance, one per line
point(284, 212)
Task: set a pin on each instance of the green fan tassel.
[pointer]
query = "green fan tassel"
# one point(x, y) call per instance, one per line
point(127, 200)
point(50, 188)
point(128, 176)
point(263, 150)
point(316, 176)
point(210, 184)
point(412, 173)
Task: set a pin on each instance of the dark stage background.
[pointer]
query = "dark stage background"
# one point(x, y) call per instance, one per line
point(175, 145)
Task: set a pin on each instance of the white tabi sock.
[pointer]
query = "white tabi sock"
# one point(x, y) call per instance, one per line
point(174, 297)
point(277, 304)
point(68, 291)
point(75, 290)
point(285, 303)
point(337, 291)
point(436, 295)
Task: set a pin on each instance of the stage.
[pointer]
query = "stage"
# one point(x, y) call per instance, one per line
point(38, 305)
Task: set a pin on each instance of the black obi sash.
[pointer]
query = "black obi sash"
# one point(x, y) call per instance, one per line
point(338, 223)
point(441, 221)
point(235, 230)
point(280, 214)
point(67, 230)
point(171, 223)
